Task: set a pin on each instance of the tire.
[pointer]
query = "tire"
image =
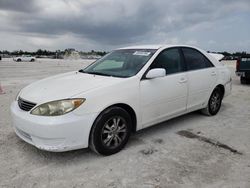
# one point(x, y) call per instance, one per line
point(214, 103)
point(110, 131)
point(18, 60)
point(243, 80)
point(32, 60)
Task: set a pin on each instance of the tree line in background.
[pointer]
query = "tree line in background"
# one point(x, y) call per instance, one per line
point(233, 56)
point(51, 54)
point(67, 52)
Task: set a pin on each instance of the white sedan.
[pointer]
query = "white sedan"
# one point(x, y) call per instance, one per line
point(24, 58)
point(127, 90)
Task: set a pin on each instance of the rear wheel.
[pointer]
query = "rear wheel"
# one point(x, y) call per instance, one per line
point(111, 131)
point(19, 60)
point(214, 103)
point(32, 60)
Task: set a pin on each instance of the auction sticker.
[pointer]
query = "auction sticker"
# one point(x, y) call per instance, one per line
point(141, 53)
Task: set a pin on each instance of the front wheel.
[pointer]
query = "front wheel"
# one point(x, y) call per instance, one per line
point(111, 131)
point(214, 103)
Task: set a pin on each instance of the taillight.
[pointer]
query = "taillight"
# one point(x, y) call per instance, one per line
point(238, 64)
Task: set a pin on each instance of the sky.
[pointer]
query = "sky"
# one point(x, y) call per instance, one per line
point(214, 25)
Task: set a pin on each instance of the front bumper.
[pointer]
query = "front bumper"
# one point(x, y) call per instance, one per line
point(58, 133)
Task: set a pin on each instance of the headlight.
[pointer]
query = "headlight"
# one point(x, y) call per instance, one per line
point(57, 108)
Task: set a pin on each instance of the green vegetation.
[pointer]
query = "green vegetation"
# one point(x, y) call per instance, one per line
point(61, 53)
point(233, 56)
point(51, 54)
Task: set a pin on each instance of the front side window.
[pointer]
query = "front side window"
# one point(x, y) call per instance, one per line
point(195, 60)
point(170, 60)
point(121, 63)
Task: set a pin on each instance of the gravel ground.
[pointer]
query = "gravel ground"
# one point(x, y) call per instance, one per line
point(155, 157)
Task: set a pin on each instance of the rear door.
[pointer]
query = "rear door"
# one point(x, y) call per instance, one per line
point(202, 76)
point(164, 96)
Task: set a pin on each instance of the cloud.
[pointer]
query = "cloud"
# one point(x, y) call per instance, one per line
point(18, 5)
point(112, 23)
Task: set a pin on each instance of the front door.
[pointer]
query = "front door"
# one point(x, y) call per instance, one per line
point(165, 96)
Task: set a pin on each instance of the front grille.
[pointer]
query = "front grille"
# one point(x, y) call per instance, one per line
point(25, 105)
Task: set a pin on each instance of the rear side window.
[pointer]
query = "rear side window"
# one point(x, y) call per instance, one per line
point(170, 60)
point(195, 60)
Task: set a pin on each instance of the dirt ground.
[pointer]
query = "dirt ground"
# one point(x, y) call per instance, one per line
point(160, 156)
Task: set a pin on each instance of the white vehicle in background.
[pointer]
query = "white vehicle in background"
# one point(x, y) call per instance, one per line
point(127, 90)
point(24, 58)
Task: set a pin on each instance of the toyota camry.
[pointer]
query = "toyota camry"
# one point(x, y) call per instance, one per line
point(127, 90)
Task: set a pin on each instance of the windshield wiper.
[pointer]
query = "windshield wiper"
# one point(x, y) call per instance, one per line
point(99, 73)
point(82, 71)
point(95, 73)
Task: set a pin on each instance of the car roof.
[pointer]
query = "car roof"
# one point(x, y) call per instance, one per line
point(155, 47)
point(164, 46)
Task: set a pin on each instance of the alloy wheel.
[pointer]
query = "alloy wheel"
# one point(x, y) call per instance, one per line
point(215, 101)
point(114, 132)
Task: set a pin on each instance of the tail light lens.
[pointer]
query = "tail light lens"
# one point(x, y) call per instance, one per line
point(238, 64)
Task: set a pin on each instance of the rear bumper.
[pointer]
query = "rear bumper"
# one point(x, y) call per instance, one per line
point(228, 88)
point(61, 133)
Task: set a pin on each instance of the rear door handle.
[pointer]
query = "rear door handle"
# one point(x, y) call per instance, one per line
point(182, 80)
point(213, 73)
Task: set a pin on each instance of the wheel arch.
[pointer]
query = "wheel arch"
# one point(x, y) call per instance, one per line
point(207, 109)
point(128, 109)
point(131, 112)
point(124, 106)
point(222, 88)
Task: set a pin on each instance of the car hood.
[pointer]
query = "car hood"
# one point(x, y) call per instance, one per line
point(63, 86)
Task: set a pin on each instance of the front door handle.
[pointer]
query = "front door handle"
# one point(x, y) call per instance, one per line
point(182, 80)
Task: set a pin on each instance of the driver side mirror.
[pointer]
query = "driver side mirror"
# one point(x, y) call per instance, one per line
point(156, 73)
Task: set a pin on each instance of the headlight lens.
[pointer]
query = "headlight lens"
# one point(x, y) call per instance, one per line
point(57, 108)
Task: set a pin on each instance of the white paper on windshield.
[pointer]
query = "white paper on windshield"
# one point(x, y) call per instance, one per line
point(141, 53)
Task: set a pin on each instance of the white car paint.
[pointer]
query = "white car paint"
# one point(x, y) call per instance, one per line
point(155, 73)
point(152, 100)
point(24, 58)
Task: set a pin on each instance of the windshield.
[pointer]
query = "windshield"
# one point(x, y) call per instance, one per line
point(120, 63)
